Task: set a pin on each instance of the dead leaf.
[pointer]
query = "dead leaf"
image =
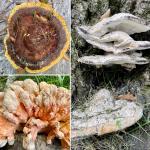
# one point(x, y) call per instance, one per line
point(128, 96)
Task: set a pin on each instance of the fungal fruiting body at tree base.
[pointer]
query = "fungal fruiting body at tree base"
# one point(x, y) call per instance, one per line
point(104, 114)
point(34, 108)
point(37, 38)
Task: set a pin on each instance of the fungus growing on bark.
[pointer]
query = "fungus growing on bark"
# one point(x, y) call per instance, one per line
point(112, 35)
point(35, 108)
point(37, 37)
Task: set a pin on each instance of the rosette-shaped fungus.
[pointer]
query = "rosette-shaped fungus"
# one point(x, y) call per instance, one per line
point(34, 108)
point(37, 37)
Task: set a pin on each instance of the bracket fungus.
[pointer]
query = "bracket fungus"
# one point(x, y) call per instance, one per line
point(32, 108)
point(103, 114)
point(125, 22)
point(110, 59)
point(37, 38)
point(112, 34)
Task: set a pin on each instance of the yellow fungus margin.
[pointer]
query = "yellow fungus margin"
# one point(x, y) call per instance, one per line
point(59, 17)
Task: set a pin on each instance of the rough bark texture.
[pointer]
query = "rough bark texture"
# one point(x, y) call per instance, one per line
point(87, 79)
point(63, 67)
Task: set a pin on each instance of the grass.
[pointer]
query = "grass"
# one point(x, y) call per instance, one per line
point(61, 81)
point(2, 83)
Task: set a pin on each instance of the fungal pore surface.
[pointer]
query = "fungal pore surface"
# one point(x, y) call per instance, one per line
point(33, 108)
point(37, 38)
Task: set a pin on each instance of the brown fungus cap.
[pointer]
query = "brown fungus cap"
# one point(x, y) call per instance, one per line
point(37, 38)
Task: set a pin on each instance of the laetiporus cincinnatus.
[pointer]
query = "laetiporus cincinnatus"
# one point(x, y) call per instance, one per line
point(32, 108)
point(37, 38)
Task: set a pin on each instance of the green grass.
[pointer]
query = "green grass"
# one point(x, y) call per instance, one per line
point(61, 81)
point(2, 83)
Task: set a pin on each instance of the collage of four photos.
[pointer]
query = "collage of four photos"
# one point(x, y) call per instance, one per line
point(74, 74)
